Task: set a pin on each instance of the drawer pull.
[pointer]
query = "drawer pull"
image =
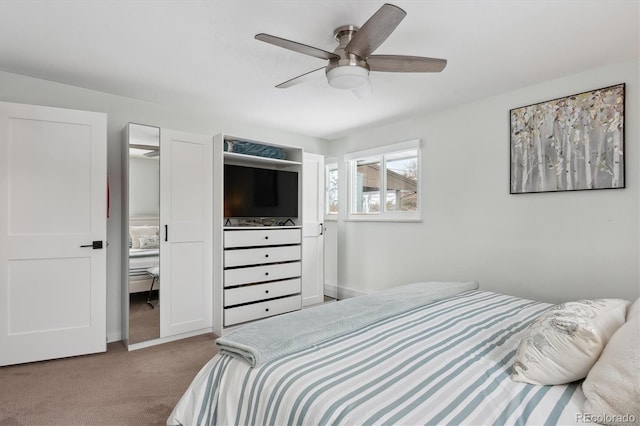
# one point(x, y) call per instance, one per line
point(266, 238)
point(266, 255)
point(266, 291)
point(267, 310)
point(266, 273)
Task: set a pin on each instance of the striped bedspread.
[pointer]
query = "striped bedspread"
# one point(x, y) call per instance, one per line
point(447, 362)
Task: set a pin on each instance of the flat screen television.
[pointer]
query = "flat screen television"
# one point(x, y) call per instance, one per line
point(251, 192)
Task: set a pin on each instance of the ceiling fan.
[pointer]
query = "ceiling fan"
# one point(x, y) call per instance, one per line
point(350, 63)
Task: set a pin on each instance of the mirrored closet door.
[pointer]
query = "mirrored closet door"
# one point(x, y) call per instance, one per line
point(167, 235)
point(142, 233)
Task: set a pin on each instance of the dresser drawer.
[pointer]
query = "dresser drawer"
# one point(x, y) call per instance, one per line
point(260, 237)
point(257, 274)
point(261, 310)
point(254, 293)
point(256, 256)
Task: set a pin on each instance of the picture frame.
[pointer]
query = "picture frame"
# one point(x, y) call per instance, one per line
point(572, 143)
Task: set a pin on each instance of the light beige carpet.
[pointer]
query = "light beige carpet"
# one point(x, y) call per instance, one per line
point(114, 388)
point(144, 320)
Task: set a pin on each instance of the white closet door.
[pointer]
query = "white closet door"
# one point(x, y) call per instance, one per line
point(312, 229)
point(186, 185)
point(53, 170)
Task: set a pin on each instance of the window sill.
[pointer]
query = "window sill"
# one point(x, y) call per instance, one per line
point(383, 219)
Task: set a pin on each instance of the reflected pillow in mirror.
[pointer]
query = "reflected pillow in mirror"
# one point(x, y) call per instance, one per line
point(149, 241)
point(136, 231)
point(564, 342)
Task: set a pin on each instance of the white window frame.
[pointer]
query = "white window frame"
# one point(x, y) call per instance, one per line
point(327, 169)
point(381, 152)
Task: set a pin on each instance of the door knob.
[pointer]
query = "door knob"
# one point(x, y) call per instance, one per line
point(95, 245)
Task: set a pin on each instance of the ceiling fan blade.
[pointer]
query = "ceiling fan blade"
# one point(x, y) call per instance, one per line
point(401, 63)
point(296, 47)
point(376, 30)
point(296, 80)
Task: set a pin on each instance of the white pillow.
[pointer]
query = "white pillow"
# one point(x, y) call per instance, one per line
point(634, 310)
point(136, 231)
point(564, 342)
point(612, 387)
point(149, 241)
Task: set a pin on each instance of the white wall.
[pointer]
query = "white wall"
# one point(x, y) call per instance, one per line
point(551, 247)
point(121, 110)
point(144, 186)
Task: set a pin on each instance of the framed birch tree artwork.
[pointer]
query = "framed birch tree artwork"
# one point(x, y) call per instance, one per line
point(569, 144)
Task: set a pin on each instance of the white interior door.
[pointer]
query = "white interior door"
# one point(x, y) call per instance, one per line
point(53, 180)
point(186, 197)
point(312, 229)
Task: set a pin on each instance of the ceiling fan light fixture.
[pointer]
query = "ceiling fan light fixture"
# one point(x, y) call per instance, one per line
point(348, 77)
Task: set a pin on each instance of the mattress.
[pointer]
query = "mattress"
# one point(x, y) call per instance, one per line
point(447, 362)
point(142, 259)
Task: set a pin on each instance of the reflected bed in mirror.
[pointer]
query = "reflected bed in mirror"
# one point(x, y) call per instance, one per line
point(144, 279)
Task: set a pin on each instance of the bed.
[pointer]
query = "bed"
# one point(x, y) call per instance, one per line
point(143, 257)
point(440, 360)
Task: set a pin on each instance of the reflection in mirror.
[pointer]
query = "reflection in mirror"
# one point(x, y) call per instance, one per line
point(144, 235)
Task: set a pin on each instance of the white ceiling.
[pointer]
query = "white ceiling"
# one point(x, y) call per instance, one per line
point(201, 54)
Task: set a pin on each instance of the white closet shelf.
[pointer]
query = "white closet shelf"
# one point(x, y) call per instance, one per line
point(258, 160)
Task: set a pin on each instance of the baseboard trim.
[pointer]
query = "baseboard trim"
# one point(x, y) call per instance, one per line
point(342, 292)
point(148, 343)
point(114, 337)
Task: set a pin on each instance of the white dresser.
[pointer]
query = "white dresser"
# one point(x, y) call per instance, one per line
point(262, 273)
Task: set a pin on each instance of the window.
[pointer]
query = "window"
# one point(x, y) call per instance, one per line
point(366, 181)
point(331, 186)
point(384, 183)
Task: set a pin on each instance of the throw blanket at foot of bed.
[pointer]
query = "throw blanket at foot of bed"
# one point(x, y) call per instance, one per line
point(272, 338)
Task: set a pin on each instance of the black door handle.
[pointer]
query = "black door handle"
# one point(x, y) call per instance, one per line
point(166, 232)
point(95, 245)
